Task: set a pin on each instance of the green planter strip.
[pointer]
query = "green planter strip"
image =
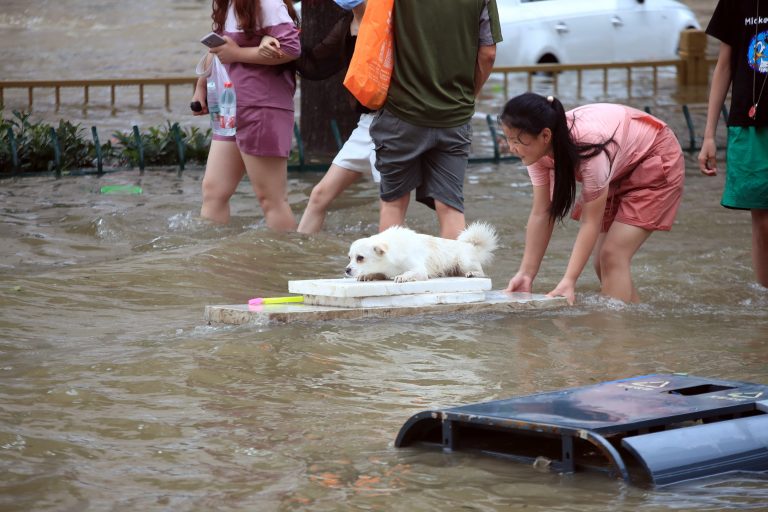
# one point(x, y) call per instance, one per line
point(37, 147)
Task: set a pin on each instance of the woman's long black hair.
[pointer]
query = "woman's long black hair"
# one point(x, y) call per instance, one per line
point(531, 113)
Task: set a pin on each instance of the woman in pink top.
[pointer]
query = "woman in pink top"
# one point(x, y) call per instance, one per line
point(264, 86)
point(631, 169)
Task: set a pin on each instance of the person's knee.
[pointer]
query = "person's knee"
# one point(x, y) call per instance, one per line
point(213, 190)
point(266, 201)
point(399, 204)
point(760, 222)
point(271, 201)
point(610, 258)
point(320, 197)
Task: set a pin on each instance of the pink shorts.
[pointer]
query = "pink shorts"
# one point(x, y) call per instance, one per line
point(649, 196)
point(263, 131)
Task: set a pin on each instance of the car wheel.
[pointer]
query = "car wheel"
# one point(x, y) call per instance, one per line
point(547, 58)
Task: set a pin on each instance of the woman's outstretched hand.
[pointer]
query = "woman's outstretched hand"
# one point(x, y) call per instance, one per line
point(565, 288)
point(520, 283)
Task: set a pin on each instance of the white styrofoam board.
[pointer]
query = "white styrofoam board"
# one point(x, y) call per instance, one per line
point(417, 299)
point(350, 287)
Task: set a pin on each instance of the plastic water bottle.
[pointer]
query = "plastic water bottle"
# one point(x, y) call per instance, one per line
point(227, 105)
point(213, 103)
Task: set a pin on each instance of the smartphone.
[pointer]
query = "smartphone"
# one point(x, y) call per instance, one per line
point(213, 40)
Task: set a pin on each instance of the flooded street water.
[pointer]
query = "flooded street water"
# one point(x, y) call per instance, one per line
point(115, 395)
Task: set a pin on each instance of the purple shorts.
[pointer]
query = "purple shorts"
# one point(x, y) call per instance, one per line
point(263, 131)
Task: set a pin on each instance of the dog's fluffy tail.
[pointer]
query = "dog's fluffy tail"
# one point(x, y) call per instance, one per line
point(483, 236)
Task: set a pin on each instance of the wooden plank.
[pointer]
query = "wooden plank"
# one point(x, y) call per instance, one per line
point(414, 299)
point(496, 301)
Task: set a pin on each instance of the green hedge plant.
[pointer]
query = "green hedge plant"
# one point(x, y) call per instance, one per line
point(35, 146)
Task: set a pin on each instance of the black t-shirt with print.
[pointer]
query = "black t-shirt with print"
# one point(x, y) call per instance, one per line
point(739, 24)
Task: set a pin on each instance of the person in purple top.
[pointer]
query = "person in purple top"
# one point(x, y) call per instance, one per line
point(265, 87)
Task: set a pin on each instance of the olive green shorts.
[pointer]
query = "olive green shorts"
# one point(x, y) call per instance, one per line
point(746, 176)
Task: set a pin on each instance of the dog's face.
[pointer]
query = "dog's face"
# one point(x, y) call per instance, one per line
point(368, 257)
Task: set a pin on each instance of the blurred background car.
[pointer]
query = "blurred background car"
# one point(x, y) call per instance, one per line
point(574, 32)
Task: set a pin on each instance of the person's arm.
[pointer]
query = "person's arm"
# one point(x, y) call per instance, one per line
point(201, 95)
point(591, 223)
point(201, 89)
point(232, 52)
point(327, 57)
point(721, 82)
point(537, 235)
point(332, 44)
point(486, 52)
point(486, 56)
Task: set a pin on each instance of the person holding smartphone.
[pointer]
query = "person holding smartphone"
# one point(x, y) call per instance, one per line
point(265, 88)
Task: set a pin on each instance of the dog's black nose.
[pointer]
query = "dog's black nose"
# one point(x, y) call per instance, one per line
point(348, 271)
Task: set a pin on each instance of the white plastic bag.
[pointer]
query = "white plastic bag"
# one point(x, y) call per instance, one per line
point(203, 67)
point(216, 76)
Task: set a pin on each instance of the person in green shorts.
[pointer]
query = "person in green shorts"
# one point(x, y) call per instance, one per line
point(742, 28)
point(444, 53)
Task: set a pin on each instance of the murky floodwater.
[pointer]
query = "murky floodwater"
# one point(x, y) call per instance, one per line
point(114, 395)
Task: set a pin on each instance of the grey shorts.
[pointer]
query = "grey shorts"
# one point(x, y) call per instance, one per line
point(433, 161)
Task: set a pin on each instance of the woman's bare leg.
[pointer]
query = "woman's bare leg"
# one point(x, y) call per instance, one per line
point(223, 172)
point(269, 180)
point(621, 243)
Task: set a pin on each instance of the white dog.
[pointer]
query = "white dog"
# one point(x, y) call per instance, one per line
point(404, 255)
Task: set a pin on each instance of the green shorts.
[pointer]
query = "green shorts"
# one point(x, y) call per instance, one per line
point(746, 176)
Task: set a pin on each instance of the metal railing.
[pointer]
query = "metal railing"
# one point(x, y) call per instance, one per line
point(552, 70)
point(87, 85)
point(555, 70)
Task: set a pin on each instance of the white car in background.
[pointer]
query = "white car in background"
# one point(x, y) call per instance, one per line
point(578, 32)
